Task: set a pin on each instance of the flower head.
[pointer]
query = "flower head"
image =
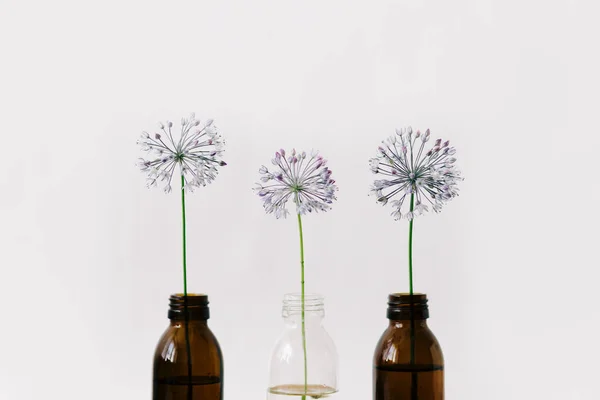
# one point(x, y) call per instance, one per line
point(304, 179)
point(407, 169)
point(197, 153)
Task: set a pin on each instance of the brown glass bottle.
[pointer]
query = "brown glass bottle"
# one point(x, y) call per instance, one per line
point(408, 362)
point(188, 364)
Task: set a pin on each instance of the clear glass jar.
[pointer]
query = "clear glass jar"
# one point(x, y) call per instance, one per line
point(303, 365)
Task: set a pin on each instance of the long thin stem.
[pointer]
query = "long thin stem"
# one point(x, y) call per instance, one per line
point(185, 296)
point(414, 382)
point(184, 236)
point(188, 349)
point(303, 319)
point(410, 244)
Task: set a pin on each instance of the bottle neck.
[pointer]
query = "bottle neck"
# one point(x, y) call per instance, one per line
point(191, 323)
point(406, 324)
point(192, 308)
point(312, 310)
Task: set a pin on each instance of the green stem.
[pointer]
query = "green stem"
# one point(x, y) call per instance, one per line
point(185, 296)
point(414, 381)
point(410, 244)
point(184, 236)
point(303, 319)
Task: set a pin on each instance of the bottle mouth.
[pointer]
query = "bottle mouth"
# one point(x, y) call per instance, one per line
point(292, 303)
point(404, 306)
point(407, 298)
point(195, 304)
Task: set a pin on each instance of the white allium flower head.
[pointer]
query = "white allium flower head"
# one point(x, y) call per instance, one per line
point(406, 169)
point(303, 178)
point(197, 154)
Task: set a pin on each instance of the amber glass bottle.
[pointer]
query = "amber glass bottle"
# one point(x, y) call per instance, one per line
point(408, 362)
point(188, 364)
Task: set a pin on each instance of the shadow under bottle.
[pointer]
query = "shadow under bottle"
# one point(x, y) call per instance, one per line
point(188, 363)
point(408, 362)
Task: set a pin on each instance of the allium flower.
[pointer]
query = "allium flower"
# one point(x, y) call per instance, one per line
point(306, 180)
point(408, 169)
point(197, 153)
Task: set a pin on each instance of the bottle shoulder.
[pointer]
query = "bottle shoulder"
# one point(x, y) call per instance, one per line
point(173, 345)
point(198, 333)
point(289, 344)
point(399, 343)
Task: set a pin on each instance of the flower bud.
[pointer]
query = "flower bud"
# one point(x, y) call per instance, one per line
point(425, 137)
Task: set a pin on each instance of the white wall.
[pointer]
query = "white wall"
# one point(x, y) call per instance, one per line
point(90, 256)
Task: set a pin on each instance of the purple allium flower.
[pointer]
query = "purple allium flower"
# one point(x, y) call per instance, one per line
point(197, 153)
point(406, 169)
point(304, 179)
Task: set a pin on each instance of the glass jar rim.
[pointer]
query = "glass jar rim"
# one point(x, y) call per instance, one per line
point(313, 302)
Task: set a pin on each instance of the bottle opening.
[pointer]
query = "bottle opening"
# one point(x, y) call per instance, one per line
point(292, 303)
point(404, 306)
point(196, 305)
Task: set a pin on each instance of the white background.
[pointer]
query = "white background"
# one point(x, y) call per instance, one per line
point(90, 256)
